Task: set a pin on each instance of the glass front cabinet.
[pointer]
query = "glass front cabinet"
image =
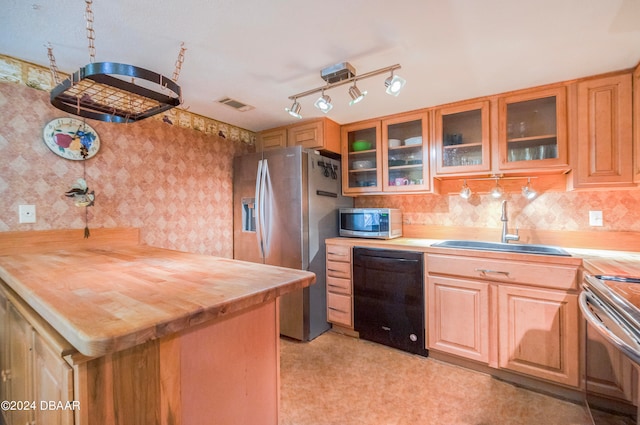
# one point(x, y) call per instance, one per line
point(462, 138)
point(533, 130)
point(405, 154)
point(361, 158)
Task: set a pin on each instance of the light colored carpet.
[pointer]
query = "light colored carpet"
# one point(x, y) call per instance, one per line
point(339, 380)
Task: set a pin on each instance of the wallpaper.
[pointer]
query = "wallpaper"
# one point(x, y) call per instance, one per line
point(173, 183)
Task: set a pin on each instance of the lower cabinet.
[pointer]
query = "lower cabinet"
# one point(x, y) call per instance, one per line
point(339, 285)
point(459, 317)
point(498, 313)
point(539, 333)
point(34, 374)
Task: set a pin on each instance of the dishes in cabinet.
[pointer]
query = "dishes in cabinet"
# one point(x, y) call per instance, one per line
point(359, 165)
point(394, 143)
point(413, 141)
point(361, 145)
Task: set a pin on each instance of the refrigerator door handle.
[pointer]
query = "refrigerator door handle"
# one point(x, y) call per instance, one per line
point(258, 208)
point(266, 208)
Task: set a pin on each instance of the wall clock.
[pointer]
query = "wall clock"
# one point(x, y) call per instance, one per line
point(71, 138)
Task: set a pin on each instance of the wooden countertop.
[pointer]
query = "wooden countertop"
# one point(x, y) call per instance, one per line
point(105, 299)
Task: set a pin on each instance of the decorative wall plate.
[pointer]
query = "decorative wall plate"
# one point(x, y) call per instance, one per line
point(71, 138)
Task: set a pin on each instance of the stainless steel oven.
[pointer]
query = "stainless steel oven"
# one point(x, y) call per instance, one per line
point(612, 346)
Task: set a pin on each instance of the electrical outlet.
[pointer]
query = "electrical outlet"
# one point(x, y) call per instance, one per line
point(595, 218)
point(27, 213)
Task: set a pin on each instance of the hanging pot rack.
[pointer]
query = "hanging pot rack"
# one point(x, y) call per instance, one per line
point(108, 91)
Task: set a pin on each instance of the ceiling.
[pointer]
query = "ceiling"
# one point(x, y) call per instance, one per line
point(261, 52)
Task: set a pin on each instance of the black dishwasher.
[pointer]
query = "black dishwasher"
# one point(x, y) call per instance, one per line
point(388, 301)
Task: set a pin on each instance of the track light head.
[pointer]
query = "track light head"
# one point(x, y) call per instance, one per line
point(465, 192)
point(528, 192)
point(497, 191)
point(294, 111)
point(394, 84)
point(356, 94)
point(323, 103)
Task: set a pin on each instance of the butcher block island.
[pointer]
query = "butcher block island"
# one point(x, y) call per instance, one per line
point(114, 332)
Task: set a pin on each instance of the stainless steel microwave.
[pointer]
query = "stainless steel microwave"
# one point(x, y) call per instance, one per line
point(378, 223)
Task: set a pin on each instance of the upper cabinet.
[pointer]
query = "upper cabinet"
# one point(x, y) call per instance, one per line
point(603, 149)
point(391, 155)
point(462, 138)
point(321, 134)
point(405, 154)
point(361, 158)
point(532, 130)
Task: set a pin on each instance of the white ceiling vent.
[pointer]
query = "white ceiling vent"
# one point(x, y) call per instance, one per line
point(237, 105)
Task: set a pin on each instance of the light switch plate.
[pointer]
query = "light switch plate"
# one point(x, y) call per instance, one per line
point(27, 213)
point(595, 218)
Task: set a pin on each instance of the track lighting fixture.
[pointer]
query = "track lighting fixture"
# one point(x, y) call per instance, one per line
point(497, 191)
point(294, 111)
point(323, 103)
point(465, 192)
point(394, 84)
point(344, 73)
point(356, 94)
point(528, 192)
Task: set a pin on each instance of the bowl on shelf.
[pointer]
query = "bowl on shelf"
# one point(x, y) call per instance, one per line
point(396, 162)
point(413, 141)
point(358, 165)
point(394, 143)
point(360, 145)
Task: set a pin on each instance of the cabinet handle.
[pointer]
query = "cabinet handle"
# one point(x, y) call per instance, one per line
point(487, 271)
point(334, 270)
point(334, 286)
point(337, 254)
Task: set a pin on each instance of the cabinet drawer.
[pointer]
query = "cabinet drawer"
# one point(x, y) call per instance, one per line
point(336, 269)
point(341, 253)
point(339, 285)
point(339, 309)
point(505, 271)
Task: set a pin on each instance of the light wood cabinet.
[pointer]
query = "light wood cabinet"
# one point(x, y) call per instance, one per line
point(271, 139)
point(388, 156)
point(462, 138)
point(339, 285)
point(321, 134)
point(33, 369)
point(458, 317)
point(538, 333)
point(532, 130)
point(525, 312)
point(603, 150)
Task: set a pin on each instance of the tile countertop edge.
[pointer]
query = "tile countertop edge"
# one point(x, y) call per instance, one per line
point(97, 345)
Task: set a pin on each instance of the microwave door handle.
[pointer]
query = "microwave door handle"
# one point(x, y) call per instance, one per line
point(584, 300)
point(258, 209)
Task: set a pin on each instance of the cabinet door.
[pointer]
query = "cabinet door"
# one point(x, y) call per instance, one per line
point(20, 367)
point(458, 317)
point(53, 381)
point(405, 154)
point(361, 158)
point(462, 138)
point(538, 332)
point(604, 154)
point(272, 139)
point(316, 134)
point(532, 130)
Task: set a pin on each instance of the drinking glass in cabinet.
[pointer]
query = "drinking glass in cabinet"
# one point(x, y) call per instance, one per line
point(532, 130)
point(462, 138)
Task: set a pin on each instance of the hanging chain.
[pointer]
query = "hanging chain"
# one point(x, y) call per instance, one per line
point(91, 35)
point(52, 64)
point(179, 62)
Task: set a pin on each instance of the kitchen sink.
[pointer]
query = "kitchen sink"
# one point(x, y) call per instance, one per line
point(504, 247)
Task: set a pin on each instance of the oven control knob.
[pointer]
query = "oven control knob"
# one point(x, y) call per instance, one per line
point(413, 337)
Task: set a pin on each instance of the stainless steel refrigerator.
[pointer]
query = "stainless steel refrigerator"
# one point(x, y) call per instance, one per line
point(286, 204)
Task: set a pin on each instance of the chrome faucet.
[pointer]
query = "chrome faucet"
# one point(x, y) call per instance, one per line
point(506, 237)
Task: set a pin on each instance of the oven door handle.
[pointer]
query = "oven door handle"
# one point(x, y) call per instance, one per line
point(586, 301)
